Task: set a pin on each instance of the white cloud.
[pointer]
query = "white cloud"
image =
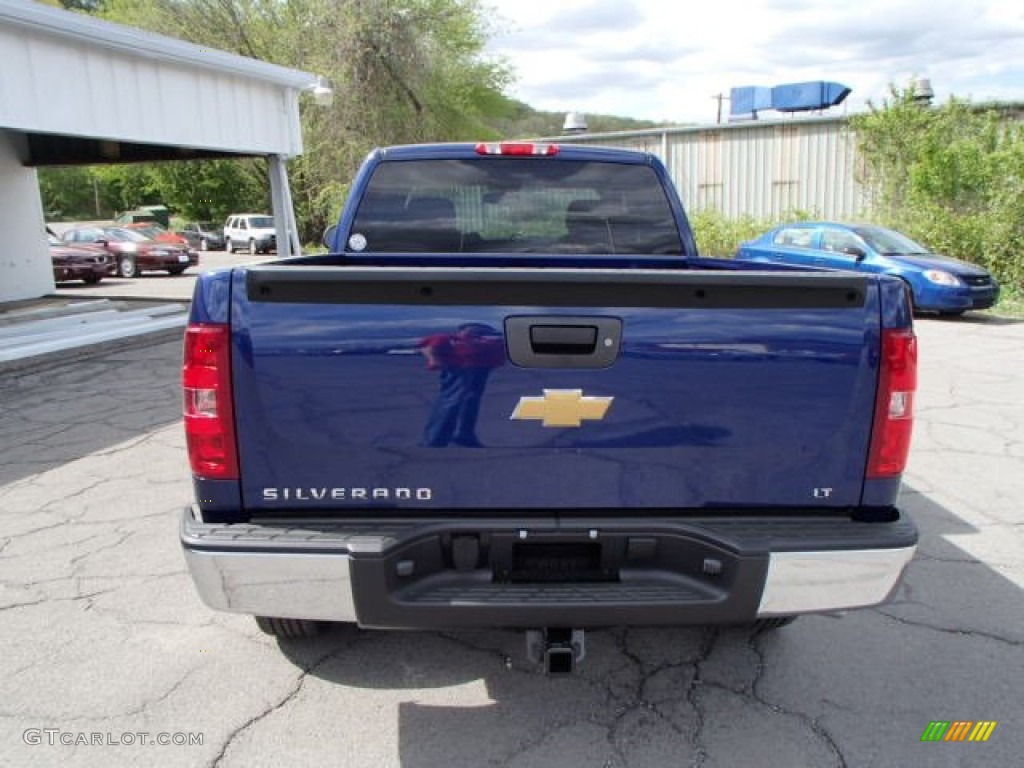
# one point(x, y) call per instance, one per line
point(665, 61)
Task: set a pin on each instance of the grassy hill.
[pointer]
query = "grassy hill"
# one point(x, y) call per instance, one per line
point(523, 121)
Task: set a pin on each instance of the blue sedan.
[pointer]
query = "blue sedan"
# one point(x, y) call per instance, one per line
point(936, 283)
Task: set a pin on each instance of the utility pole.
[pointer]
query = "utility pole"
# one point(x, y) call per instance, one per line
point(720, 97)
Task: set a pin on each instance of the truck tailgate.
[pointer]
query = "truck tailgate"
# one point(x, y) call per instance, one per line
point(550, 390)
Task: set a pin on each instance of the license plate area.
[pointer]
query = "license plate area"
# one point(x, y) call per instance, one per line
point(557, 562)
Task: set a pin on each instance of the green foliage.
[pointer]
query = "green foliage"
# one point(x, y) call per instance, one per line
point(951, 176)
point(1011, 302)
point(402, 71)
point(522, 121)
point(69, 193)
point(210, 190)
point(720, 237)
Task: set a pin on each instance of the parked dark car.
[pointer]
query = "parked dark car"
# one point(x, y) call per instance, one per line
point(90, 263)
point(204, 235)
point(936, 283)
point(134, 252)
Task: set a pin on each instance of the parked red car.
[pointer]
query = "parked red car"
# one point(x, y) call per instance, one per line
point(155, 232)
point(90, 263)
point(133, 252)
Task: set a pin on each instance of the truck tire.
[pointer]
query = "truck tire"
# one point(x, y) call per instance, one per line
point(252, 247)
point(769, 625)
point(227, 245)
point(289, 629)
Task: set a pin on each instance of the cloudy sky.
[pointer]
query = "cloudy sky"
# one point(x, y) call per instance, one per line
point(665, 60)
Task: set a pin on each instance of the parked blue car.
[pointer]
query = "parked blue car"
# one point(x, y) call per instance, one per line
point(936, 283)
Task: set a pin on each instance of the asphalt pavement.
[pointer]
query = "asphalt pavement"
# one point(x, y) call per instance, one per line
point(105, 650)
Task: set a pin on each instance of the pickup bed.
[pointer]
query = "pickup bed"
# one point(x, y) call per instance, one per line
point(514, 395)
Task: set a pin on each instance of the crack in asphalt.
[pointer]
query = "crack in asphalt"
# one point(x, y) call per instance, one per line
point(638, 700)
point(289, 696)
point(623, 705)
point(76, 494)
point(697, 740)
point(948, 630)
point(507, 662)
point(812, 723)
point(27, 604)
point(41, 529)
point(525, 747)
point(47, 599)
point(78, 521)
point(77, 559)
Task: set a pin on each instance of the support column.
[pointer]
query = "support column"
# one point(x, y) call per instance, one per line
point(284, 211)
point(25, 267)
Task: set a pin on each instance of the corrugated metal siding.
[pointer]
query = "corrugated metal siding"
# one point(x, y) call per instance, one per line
point(764, 169)
point(54, 85)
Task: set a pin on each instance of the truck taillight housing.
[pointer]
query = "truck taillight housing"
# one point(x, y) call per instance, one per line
point(208, 410)
point(894, 406)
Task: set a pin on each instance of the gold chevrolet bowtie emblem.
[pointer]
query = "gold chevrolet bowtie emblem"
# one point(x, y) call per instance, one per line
point(562, 408)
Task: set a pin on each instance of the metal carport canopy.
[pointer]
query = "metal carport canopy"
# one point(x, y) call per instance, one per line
point(79, 90)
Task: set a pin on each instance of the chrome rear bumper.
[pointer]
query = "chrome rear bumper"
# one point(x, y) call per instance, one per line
point(306, 572)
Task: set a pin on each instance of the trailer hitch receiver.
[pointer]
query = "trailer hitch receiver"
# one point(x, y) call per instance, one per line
point(557, 648)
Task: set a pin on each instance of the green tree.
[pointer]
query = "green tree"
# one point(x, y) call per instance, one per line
point(210, 190)
point(70, 193)
point(402, 71)
point(950, 175)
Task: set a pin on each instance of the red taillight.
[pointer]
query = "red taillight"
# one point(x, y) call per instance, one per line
point(209, 412)
point(894, 406)
point(516, 149)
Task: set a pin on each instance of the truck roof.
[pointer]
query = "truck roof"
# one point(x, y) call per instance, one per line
point(457, 150)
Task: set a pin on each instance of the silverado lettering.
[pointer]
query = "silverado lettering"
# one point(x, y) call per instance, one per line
point(561, 416)
point(341, 494)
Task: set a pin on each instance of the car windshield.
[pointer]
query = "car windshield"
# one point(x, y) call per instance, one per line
point(53, 240)
point(261, 222)
point(887, 242)
point(205, 226)
point(125, 235)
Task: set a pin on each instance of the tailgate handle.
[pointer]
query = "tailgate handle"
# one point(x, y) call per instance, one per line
point(560, 341)
point(563, 339)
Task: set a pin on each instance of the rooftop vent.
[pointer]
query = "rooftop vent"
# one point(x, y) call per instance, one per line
point(921, 87)
point(575, 122)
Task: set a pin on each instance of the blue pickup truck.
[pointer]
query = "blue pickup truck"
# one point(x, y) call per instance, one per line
point(513, 395)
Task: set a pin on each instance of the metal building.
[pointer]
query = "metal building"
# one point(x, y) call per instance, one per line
point(762, 168)
point(72, 90)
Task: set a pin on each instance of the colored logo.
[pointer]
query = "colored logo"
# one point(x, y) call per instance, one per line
point(958, 730)
point(562, 408)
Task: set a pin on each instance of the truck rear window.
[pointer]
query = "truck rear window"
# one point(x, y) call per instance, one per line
point(514, 205)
